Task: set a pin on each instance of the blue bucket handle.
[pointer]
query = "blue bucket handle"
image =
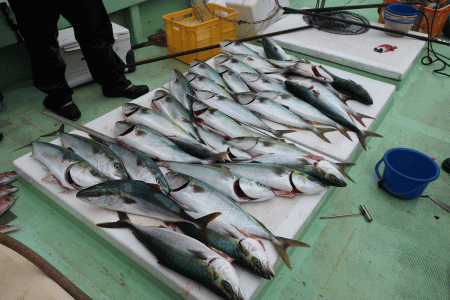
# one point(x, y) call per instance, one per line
point(396, 21)
point(382, 182)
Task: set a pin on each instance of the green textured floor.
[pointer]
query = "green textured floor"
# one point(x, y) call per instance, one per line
point(402, 254)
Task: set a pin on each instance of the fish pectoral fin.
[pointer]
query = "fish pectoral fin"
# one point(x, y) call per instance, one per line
point(128, 200)
point(226, 172)
point(229, 259)
point(199, 254)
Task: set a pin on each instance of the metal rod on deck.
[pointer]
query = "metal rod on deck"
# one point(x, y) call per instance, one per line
point(79, 127)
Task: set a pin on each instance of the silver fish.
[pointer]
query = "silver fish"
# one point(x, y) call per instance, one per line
point(202, 196)
point(302, 109)
point(312, 71)
point(5, 190)
point(236, 111)
point(258, 63)
point(6, 202)
point(278, 178)
point(244, 250)
point(69, 169)
point(140, 198)
point(232, 63)
point(273, 111)
point(218, 121)
point(139, 166)
point(179, 87)
point(238, 188)
point(260, 83)
point(186, 256)
point(256, 146)
point(221, 145)
point(7, 177)
point(234, 47)
point(233, 81)
point(170, 107)
point(200, 82)
point(152, 119)
point(153, 144)
point(202, 68)
point(273, 50)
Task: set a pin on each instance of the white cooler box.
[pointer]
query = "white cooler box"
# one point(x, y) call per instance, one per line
point(77, 71)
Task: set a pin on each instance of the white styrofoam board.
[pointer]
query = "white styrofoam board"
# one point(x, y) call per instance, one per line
point(283, 216)
point(355, 51)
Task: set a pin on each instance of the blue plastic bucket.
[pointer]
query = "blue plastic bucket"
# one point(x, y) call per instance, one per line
point(402, 9)
point(407, 172)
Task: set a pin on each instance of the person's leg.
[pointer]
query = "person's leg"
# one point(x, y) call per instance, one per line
point(37, 22)
point(93, 31)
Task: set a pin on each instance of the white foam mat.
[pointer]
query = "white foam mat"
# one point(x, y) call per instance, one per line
point(355, 51)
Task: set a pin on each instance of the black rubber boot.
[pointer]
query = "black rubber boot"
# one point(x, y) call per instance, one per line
point(133, 92)
point(63, 106)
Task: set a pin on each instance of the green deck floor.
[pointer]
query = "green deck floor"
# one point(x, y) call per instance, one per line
point(402, 254)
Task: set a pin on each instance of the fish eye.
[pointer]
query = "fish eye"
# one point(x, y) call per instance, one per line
point(227, 286)
point(158, 181)
point(95, 194)
point(257, 262)
point(174, 173)
point(117, 167)
point(333, 177)
point(260, 184)
point(94, 173)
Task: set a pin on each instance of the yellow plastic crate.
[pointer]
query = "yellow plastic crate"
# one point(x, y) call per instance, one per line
point(186, 32)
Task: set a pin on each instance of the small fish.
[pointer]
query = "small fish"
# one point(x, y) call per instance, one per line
point(202, 83)
point(218, 121)
point(233, 63)
point(8, 177)
point(8, 228)
point(331, 108)
point(6, 202)
point(234, 47)
point(275, 112)
point(167, 105)
point(140, 198)
point(258, 63)
point(202, 196)
point(179, 87)
point(352, 89)
point(233, 81)
point(186, 256)
point(274, 51)
point(238, 188)
point(236, 111)
point(202, 68)
point(5, 190)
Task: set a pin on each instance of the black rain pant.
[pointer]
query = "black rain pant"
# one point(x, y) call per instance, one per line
point(37, 21)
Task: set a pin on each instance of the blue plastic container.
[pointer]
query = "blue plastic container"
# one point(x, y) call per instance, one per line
point(402, 9)
point(407, 172)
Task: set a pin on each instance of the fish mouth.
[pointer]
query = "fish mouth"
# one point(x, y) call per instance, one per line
point(123, 128)
point(180, 187)
point(69, 178)
point(129, 109)
point(240, 193)
point(294, 189)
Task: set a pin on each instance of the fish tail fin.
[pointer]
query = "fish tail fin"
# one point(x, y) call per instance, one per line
point(358, 117)
point(341, 168)
point(362, 135)
point(216, 157)
point(281, 244)
point(280, 133)
point(123, 222)
point(344, 132)
point(203, 223)
point(320, 132)
point(54, 133)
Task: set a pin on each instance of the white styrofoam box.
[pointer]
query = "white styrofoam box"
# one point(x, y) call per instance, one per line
point(355, 51)
point(285, 217)
point(77, 71)
point(255, 10)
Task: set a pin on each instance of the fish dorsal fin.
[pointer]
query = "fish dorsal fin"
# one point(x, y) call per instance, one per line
point(316, 93)
point(199, 254)
point(128, 200)
point(226, 172)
